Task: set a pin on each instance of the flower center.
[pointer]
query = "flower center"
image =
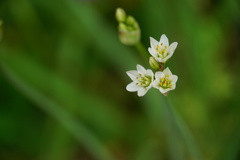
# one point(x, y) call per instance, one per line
point(165, 82)
point(143, 81)
point(161, 51)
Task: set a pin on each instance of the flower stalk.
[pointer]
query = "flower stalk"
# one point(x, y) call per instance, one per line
point(142, 50)
point(182, 129)
point(163, 79)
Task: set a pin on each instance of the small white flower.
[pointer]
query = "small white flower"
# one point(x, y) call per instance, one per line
point(161, 50)
point(142, 80)
point(165, 81)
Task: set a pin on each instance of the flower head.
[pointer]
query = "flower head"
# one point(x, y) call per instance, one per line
point(142, 80)
point(165, 81)
point(161, 50)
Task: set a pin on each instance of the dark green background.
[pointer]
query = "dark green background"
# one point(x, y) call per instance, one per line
point(62, 80)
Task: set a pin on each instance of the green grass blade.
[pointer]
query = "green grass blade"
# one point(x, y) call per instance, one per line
point(78, 130)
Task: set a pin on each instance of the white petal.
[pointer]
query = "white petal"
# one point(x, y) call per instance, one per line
point(172, 47)
point(159, 75)
point(173, 86)
point(152, 52)
point(161, 60)
point(155, 83)
point(168, 56)
point(166, 52)
point(164, 40)
point(149, 72)
point(141, 69)
point(171, 51)
point(142, 91)
point(132, 87)
point(173, 78)
point(167, 71)
point(132, 74)
point(153, 42)
point(164, 90)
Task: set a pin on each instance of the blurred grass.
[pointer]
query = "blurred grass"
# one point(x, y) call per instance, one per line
point(79, 131)
point(67, 53)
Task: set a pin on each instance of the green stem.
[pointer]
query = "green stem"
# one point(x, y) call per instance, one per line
point(174, 149)
point(183, 129)
point(142, 50)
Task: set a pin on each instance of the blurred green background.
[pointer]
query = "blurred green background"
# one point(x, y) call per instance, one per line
point(63, 79)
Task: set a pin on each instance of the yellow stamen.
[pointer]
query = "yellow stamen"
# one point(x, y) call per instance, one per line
point(166, 75)
point(160, 83)
point(170, 85)
point(162, 79)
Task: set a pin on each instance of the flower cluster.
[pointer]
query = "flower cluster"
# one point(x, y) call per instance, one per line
point(163, 80)
point(128, 28)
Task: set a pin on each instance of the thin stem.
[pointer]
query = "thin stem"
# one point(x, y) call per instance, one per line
point(172, 135)
point(161, 66)
point(142, 50)
point(183, 129)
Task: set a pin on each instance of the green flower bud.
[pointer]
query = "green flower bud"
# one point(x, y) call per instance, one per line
point(153, 63)
point(130, 20)
point(120, 15)
point(128, 28)
point(122, 27)
point(128, 36)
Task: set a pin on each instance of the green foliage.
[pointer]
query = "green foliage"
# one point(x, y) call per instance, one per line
point(63, 80)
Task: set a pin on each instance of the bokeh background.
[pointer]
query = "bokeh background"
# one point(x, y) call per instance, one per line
point(62, 81)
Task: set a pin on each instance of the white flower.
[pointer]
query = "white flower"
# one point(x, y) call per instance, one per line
point(165, 81)
point(142, 80)
point(161, 50)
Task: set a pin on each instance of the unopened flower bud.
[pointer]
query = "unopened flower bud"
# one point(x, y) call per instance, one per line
point(128, 28)
point(153, 63)
point(129, 32)
point(130, 20)
point(128, 36)
point(120, 15)
point(122, 27)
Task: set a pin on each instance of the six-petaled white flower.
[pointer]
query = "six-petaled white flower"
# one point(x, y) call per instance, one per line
point(161, 50)
point(165, 81)
point(142, 80)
